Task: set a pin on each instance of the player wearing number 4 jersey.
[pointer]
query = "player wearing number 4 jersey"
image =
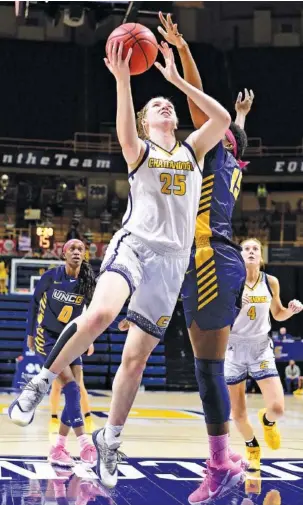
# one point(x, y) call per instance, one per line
point(250, 352)
point(60, 296)
point(148, 258)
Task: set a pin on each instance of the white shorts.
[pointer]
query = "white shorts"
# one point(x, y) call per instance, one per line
point(154, 280)
point(248, 358)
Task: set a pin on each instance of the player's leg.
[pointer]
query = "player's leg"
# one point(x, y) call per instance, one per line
point(149, 313)
point(273, 395)
point(109, 297)
point(264, 371)
point(85, 407)
point(210, 295)
point(243, 424)
point(54, 400)
point(72, 418)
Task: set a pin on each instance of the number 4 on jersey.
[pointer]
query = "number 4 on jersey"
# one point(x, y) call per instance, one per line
point(252, 313)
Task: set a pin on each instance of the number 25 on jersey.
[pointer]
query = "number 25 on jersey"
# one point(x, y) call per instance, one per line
point(175, 184)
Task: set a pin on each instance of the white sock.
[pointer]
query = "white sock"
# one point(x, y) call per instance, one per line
point(112, 434)
point(83, 440)
point(45, 374)
point(61, 440)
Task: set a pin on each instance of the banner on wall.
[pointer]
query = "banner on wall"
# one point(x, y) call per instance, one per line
point(287, 254)
point(8, 248)
point(62, 160)
point(284, 351)
point(275, 166)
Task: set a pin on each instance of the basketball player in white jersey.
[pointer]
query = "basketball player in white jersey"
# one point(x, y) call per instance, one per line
point(250, 352)
point(148, 258)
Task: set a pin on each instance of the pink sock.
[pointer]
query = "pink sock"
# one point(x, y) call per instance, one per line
point(83, 440)
point(219, 453)
point(61, 440)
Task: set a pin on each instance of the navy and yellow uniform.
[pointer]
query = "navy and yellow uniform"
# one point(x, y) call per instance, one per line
point(56, 302)
point(215, 278)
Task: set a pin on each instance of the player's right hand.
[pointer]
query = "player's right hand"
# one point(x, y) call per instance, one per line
point(114, 61)
point(171, 33)
point(123, 325)
point(245, 299)
point(31, 342)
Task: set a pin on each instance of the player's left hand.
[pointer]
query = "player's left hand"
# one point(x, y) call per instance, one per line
point(295, 306)
point(244, 106)
point(170, 71)
point(91, 350)
point(171, 33)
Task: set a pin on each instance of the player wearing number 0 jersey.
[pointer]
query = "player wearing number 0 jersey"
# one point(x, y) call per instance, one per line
point(250, 352)
point(60, 296)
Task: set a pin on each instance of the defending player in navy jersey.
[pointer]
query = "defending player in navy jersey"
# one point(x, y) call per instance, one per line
point(215, 277)
point(60, 296)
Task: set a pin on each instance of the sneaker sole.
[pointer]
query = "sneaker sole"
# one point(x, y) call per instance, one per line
point(16, 421)
point(98, 462)
point(234, 482)
point(60, 463)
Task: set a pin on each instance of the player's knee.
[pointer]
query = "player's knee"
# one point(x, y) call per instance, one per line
point(98, 320)
point(134, 364)
point(239, 416)
point(277, 408)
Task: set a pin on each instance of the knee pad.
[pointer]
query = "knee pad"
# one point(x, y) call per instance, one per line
point(213, 390)
point(72, 403)
point(64, 417)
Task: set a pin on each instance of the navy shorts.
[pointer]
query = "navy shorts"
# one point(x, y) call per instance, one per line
point(45, 341)
point(213, 286)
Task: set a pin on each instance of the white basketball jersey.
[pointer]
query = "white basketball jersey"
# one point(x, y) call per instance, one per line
point(164, 196)
point(253, 320)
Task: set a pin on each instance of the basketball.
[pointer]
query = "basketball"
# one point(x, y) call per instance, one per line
point(143, 43)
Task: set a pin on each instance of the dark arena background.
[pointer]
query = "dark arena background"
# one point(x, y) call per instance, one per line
point(62, 176)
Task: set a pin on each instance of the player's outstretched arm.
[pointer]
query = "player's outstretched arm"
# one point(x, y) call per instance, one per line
point(169, 31)
point(279, 312)
point(130, 143)
point(42, 286)
point(242, 106)
point(214, 129)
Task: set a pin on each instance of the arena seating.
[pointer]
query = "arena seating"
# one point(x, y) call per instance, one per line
point(99, 369)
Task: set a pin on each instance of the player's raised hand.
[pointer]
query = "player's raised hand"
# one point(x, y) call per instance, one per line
point(169, 71)
point(91, 350)
point(295, 306)
point(115, 63)
point(244, 102)
point(170, 31)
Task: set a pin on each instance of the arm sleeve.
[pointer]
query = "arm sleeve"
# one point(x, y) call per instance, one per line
point(41, 287)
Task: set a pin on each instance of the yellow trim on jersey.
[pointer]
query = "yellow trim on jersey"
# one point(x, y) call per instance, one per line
point(203, 217)
point(170, 153)
point(207, 285)
point(256, 283)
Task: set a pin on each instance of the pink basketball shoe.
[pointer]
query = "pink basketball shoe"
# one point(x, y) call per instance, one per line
point(218, 482)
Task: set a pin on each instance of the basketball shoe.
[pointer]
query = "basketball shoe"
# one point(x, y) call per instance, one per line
point(53, 425)
point(272, 435)
point(89, 425)
point(253, 455)
point(59, 456)
point(253, 483)
point(22, 410)
point(108, 459)
point(218, 482)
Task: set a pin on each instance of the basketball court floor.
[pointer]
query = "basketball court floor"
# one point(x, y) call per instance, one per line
point(166, 446)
